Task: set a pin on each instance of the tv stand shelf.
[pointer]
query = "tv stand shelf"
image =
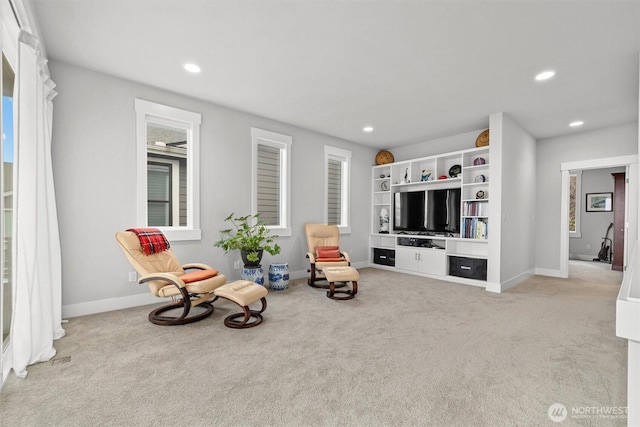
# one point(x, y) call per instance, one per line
point(425, 253)
point(427, 256)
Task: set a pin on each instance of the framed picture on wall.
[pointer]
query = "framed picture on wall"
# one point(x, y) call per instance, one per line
point(599, 202)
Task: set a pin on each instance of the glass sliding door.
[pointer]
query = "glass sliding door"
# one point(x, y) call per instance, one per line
point(6, 204)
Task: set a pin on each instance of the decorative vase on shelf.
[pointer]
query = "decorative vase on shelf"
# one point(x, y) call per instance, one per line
point(478, 161)
point(384, 221)
point(279, 276)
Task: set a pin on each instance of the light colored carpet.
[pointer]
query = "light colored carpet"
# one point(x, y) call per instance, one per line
point(407, 351)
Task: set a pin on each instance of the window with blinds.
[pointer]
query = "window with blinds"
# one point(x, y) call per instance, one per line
point(271, 183)
point(334, 192)
point(268, 184)
point(337, 187)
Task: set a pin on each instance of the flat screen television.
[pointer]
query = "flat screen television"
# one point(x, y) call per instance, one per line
point(429, 211)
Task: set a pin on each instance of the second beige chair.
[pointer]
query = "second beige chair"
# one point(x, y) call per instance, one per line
point(323, 244)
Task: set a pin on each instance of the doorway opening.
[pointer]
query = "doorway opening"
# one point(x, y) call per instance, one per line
point(627, 164)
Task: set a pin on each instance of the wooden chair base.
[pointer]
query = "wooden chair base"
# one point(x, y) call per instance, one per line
point(246, 315)
point(349, 293)
point(157, 318)
point(324, 285)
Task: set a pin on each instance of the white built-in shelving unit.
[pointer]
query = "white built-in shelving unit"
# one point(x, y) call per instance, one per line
point(430, 255)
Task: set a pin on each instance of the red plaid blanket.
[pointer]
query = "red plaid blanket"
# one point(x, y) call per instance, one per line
point(151, 239)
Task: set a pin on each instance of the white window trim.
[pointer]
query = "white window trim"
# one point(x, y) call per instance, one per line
point(144, 110)
point(283, 143)
point(578, 233)
point(343, 156)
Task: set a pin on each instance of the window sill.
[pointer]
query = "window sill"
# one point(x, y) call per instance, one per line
point(575, 235)
point(176, 234)
point(281, 231)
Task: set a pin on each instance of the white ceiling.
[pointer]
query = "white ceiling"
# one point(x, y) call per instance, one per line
point(414, 70)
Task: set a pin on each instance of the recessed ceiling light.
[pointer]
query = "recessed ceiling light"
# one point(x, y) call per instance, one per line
point(367, 129)
point(192, 68)
point(545, 75)
point(576, 123)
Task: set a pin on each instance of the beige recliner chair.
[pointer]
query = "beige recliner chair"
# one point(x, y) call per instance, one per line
point(167, 278)
point(323, 244)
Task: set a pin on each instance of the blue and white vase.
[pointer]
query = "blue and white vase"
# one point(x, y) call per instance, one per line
point(253, 274)
point(279, 276)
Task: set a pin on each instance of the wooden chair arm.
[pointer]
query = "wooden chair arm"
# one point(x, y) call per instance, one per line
point(197, 265)
point(167, 277)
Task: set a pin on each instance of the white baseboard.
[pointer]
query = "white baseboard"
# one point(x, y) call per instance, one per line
point(110, 304)
point(583, 257)
point(549, 272)
point(361, 264)
point(515, 280)
point(508, 284)
point(493, 287)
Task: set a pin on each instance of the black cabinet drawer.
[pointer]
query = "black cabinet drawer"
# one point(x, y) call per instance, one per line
point(471, 268)
point(384, 257)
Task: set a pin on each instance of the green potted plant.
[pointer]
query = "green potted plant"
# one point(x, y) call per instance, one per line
point(251, 236)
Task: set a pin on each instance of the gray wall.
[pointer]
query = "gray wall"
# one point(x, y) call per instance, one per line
point(593, 225)
point(458, 142)
point(94, 161)
point(94, 170)
point(517, 202)
point(551, 152)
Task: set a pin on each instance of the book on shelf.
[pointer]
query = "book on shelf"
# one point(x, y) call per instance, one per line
point(475, 209)
point(475, 228)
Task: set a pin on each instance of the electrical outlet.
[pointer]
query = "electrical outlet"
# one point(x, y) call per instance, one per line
point(237, 265)
point(588, 245)
point(133, 276)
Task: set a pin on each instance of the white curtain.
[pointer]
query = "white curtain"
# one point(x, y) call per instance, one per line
point(37, 315)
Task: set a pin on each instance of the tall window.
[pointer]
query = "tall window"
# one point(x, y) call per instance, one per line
point(6, 203)
point(334, 192)
point(337, 187)
point(271, 167)
point(575, 179)
point(168, 175)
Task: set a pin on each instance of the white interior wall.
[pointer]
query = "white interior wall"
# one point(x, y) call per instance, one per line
point(94, 170)
point(608, 142)
point(457, 142)
point(518, 189)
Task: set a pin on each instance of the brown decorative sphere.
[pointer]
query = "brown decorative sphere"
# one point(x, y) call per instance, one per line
point(483, 139)
point(384, 157)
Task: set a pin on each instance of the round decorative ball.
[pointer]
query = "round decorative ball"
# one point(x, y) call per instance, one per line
point(383, 157)
point(483, 139)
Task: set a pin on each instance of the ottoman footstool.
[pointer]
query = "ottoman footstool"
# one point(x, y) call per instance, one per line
point(342, 274)
point(243, 293)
